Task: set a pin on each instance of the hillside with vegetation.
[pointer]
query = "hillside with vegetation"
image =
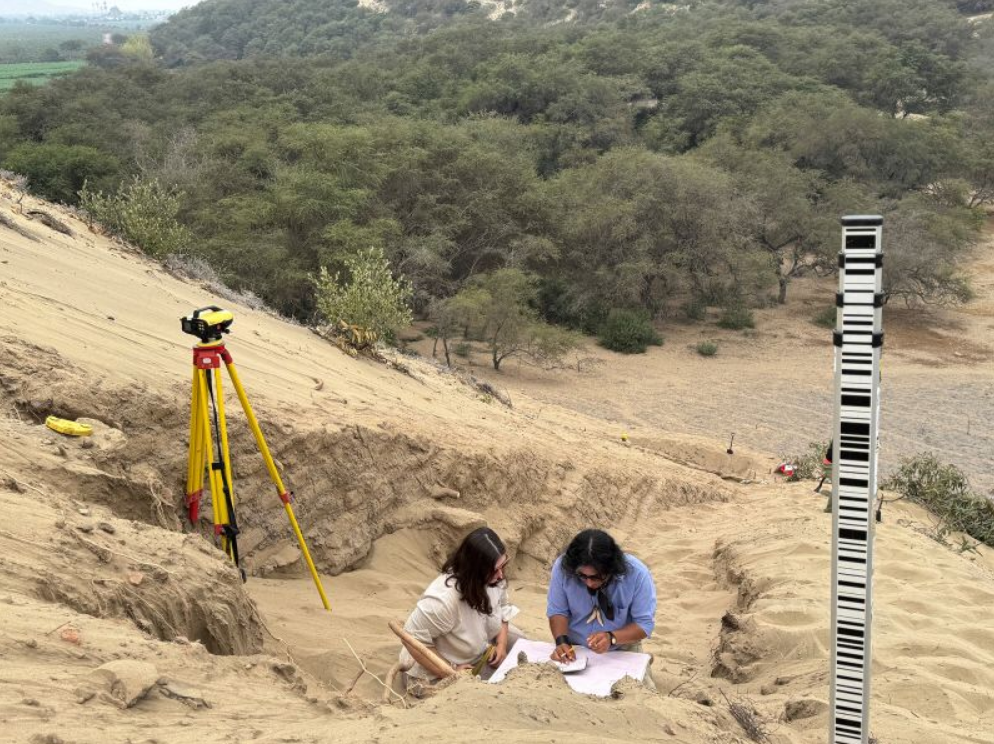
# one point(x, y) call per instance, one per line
point(656, 162)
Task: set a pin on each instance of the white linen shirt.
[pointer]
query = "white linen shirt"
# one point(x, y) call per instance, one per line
point(459, 633)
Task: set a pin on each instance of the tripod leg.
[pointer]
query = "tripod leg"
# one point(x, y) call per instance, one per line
point(225, 453)
point(196, 459)
point(214, 476)
point(230, 522)
point(275, 477)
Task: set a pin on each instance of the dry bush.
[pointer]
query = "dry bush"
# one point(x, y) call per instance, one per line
point(748, 718)
point(945, 492)
point(197, 269)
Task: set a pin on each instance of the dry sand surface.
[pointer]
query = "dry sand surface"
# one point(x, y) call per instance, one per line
point(120, 623)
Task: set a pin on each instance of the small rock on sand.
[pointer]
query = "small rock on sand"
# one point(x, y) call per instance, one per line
point(125, 680)
point(797, 709)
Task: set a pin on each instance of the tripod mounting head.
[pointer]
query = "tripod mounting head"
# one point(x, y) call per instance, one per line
point(208, 323)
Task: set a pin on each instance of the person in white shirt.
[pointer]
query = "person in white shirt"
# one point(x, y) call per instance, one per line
point(464, 615)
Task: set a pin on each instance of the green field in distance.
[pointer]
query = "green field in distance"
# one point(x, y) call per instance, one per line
point(34, 73)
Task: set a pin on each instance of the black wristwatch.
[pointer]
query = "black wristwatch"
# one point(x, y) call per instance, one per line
point(563, 640)
point(614, 641)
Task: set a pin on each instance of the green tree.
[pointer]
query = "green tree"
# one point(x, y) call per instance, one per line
point(138, 47)
point(827, 132)
point(637, 228)
point(500, 304)
point(369, 297)
point(926, 245)
point(57, 172)
point(143, 211)
point(71, 48)
point(783, 216)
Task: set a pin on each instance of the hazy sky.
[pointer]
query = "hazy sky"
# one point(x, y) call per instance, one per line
point(126, 5)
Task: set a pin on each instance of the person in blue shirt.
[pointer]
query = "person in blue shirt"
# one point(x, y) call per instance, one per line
point(599, 597)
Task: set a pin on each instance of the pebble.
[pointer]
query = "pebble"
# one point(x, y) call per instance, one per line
point(86, 527)
point(31, 701)
point(31, 643)
point(84, 696)
point(107, 527)
point(87, 444)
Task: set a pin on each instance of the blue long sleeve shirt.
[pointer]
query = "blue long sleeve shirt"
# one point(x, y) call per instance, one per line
point(632, 594)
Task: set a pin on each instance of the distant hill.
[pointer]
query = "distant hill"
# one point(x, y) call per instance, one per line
point(236, 29)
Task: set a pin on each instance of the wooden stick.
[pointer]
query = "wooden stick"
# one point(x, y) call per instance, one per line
point(432, 662)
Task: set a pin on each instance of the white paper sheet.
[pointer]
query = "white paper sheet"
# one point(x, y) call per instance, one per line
point(569, 667)
point(602, 670)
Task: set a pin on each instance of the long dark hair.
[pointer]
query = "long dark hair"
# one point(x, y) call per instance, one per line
point(594, 548)
point(472, 565)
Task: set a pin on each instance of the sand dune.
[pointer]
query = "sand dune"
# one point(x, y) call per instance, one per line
point(389, 470)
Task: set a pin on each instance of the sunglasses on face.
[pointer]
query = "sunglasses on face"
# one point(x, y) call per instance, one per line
point(589, 577)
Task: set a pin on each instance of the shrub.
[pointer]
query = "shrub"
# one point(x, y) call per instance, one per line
point(462, 349)
point(548, 346)
point(371, 298)
point(736, 318)
point(142, 212)
point(808, 465)
point(57, 172)
point(628, 331)
point(945, 491)
point(707, 348)
point(826, 318)
point(695, 309)
point(556, 304)
point(197, 269)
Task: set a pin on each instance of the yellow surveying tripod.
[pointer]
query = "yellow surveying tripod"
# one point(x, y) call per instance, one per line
point(211, 454)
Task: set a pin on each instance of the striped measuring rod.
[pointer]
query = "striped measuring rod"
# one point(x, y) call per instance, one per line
point(858, 342)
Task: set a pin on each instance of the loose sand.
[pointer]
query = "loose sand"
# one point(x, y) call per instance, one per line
point(390, 469)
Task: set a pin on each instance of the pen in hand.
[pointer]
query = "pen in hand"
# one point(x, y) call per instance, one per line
point(564, 653)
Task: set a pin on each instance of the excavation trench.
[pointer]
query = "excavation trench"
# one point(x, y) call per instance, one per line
point(352, 486)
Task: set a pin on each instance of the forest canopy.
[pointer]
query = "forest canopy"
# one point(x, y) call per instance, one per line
point(658, 161)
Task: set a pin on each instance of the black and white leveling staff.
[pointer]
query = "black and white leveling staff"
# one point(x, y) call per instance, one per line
point(858, 339)
point(211, 454)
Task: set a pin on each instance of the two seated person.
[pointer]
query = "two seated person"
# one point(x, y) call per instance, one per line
point(599, 597)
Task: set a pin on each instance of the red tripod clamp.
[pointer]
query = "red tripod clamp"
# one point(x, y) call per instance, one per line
point(210, 357)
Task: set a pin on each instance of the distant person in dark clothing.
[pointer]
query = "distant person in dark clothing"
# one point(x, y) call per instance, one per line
point(826, 466)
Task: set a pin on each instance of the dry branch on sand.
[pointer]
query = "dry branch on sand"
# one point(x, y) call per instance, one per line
point(11, 225)
point(49, 221)
point(365, 670)
point(748, 718)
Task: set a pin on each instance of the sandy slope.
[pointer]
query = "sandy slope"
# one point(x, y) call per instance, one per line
point(390, 469)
